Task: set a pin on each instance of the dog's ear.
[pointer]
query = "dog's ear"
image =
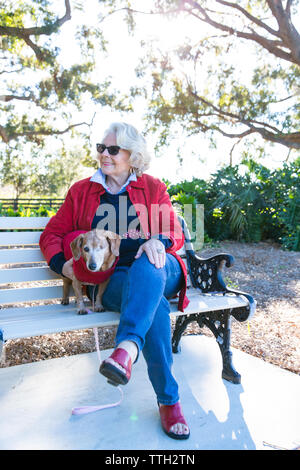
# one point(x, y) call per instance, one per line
point(75, 246)
point(114, 240)
point(100, 232)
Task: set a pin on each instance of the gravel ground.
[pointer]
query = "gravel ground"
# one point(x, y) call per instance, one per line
point(269, 273)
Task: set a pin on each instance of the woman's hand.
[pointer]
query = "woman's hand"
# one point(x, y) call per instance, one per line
point(67, 269)
point(155, 251)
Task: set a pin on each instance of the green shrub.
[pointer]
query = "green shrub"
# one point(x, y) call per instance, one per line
point(258, 205)
point(42, 211)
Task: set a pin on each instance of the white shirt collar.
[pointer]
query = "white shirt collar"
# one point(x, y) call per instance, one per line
point(99, 177)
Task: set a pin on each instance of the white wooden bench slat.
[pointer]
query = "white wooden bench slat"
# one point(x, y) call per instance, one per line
point(50, 319)
point(19, 238)
point(42, 273)
point(27, 255)
point(8, 223)
point(11, 296)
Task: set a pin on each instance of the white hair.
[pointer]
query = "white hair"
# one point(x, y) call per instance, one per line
point(128, 138)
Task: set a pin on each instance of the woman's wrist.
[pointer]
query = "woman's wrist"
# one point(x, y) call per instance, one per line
point(57, 262)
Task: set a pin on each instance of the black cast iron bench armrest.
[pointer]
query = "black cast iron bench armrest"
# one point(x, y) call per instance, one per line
point(206, 274)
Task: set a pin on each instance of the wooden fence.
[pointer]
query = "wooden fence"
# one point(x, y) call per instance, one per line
point(32, 203)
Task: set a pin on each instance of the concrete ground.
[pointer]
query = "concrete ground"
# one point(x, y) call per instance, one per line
point(261, 413)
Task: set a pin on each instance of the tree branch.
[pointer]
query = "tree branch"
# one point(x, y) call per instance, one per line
point(25, 33)
point(249, 16)
point(232, 149)
point(4, 135)
point(288, 8)
point(41, 132)
point(290, 38)
point(268, 132)
point(287, 31)
point(38, 30)
point(15, 97)
point(233, 116)
point(131, 10)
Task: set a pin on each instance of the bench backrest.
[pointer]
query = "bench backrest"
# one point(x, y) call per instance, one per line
point(23, 269)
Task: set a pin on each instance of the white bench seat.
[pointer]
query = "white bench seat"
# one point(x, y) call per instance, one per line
point(23, 322)
point(25, 279)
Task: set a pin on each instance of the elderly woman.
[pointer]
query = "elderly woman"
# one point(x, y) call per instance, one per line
point(122, 198)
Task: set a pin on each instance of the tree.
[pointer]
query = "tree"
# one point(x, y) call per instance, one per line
point(15, 173)
point(42, 91)
point(213, 94)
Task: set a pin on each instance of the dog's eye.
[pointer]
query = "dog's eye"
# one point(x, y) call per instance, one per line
point(86, 248)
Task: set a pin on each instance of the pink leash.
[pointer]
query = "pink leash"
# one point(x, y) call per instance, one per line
point(82, 410)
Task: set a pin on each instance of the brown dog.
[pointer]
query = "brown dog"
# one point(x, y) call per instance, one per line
point(99, 249)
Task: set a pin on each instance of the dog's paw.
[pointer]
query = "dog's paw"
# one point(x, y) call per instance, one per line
point(82, 311)
point(99, 308)
point(65, 301)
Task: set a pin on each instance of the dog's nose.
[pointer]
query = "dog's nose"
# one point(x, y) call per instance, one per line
point(92, 266)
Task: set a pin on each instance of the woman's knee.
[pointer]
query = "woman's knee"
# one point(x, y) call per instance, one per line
point(142, 260)
point(144, 267)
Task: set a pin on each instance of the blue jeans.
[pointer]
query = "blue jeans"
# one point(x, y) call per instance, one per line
point(140, 292)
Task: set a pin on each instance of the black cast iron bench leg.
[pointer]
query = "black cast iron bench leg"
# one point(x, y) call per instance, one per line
point(220, 325)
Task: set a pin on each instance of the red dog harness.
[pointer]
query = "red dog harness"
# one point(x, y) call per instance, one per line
point(79, 267)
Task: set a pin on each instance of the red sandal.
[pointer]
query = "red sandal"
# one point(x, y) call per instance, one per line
point(114, 375)
point(170, 415)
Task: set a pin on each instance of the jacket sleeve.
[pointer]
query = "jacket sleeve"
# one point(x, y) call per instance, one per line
point(51, 240)
point(164, 220)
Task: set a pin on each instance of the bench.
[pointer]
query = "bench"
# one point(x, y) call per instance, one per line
point(30, 293)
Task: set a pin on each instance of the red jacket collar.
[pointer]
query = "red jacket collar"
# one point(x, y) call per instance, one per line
point(98, 188)
point(139, 183)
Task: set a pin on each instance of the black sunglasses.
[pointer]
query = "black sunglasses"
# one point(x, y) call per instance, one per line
point(112, 149)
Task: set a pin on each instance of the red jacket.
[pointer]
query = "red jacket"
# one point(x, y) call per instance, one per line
point(152, 204)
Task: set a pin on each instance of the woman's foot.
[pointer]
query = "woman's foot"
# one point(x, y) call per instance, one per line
point(173, 421)
point(117, 367)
